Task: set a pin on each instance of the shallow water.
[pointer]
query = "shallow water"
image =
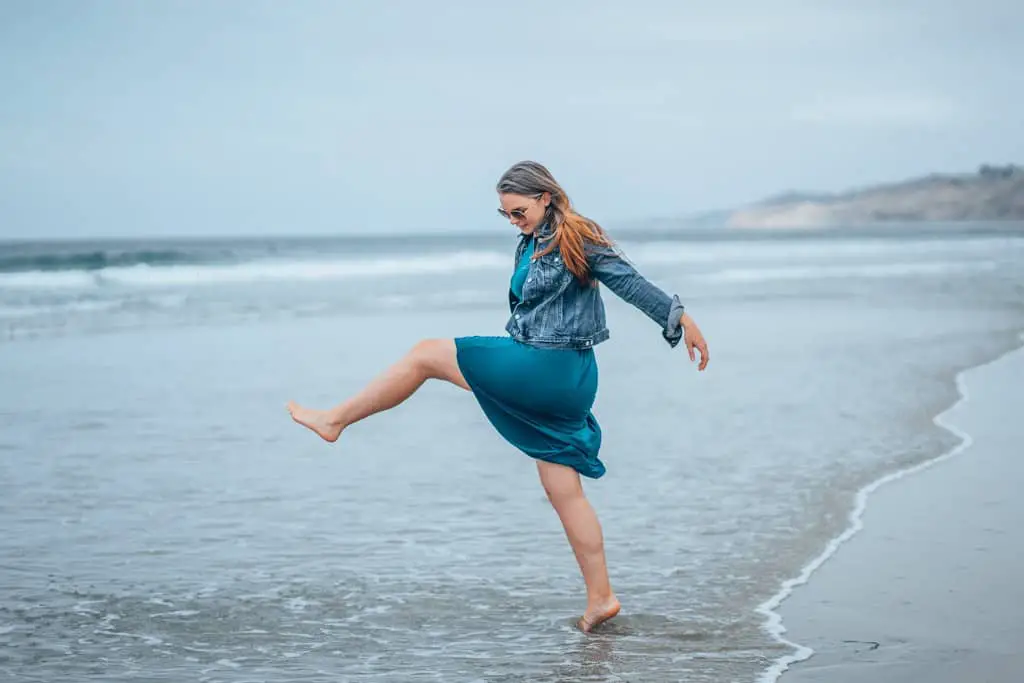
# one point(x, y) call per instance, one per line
point(163, 520)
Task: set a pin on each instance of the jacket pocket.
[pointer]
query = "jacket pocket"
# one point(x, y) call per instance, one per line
point(550, 270)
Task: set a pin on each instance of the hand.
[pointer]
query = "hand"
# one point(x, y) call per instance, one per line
point(694, 340)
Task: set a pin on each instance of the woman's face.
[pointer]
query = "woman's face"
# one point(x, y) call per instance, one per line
point(524, 212)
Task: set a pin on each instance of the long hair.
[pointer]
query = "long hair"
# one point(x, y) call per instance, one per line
point(570, 230)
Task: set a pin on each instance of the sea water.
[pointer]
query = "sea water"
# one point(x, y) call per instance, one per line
point(162, 519)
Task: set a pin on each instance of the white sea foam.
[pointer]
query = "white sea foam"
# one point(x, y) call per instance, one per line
point(752, 250)
point(860, 270)
point(75, 306)
point(42, 279)
point(839, 252)
point(257, 271)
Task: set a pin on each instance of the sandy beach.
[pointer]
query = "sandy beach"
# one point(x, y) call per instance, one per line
point(930, 589)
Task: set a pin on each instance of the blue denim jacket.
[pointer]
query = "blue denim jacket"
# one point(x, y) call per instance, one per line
point(557, 311)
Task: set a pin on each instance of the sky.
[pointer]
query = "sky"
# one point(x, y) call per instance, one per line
point(251, 117)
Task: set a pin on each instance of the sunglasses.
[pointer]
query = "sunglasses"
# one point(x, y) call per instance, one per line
point(518, 214)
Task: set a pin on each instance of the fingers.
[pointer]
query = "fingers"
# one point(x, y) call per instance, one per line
point(697, 342)
point(702, 347)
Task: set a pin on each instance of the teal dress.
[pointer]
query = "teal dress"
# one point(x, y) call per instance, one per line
point(539, 399)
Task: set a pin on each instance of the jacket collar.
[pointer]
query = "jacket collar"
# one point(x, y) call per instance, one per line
point(544, 231)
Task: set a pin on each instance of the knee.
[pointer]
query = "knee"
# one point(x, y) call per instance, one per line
point(424, 354)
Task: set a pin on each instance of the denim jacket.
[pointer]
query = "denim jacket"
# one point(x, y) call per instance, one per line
point(557, 311)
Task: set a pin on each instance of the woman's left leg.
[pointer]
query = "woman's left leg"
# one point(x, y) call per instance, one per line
point(564, 490)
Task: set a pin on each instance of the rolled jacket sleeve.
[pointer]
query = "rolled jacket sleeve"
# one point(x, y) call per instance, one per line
point(611, 268)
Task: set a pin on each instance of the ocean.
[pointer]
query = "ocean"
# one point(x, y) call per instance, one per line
point(164, 520)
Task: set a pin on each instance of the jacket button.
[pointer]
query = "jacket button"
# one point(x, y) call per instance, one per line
point(517, 316)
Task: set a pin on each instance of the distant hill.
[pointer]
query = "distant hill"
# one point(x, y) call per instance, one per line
point(993, 193)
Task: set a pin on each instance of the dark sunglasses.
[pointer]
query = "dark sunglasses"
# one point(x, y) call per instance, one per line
point(518, 214)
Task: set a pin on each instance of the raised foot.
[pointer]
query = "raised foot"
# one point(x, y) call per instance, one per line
point(319, 421)
point(598, 614)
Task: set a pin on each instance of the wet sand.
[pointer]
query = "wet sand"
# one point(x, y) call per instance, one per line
point(932, 588)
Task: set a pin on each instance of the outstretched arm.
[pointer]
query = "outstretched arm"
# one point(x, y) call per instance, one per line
point(615, 272)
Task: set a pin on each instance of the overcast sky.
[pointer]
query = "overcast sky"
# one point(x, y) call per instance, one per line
point(122, 117)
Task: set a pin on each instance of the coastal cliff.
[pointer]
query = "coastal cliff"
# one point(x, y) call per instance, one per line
point(993, 193)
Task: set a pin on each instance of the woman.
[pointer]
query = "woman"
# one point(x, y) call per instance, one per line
point(537, 384)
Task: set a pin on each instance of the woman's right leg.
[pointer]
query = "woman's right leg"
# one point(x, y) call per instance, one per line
point(430, 358)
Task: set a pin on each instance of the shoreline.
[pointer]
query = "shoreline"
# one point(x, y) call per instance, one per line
point(773, 622)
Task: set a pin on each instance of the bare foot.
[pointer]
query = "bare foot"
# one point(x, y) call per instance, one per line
point(319, 421)
point(598, 614)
